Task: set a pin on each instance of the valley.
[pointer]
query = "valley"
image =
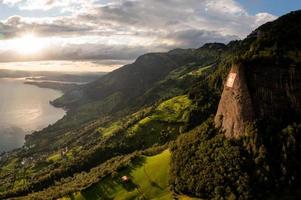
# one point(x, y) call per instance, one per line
point(217, 122)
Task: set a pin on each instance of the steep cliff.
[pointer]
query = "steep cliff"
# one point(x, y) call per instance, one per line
point(264, 83)
point(262, 91)
point(235, 109)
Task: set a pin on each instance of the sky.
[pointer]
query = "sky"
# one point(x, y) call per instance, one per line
point(116, 32)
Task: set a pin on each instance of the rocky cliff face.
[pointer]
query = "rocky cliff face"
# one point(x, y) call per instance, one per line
point(264, 91)
point(265, 87)
point(235, 110)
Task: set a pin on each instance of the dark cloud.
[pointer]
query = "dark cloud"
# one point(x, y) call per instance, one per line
point(196, 38)
point(113, 54)
point(61, 26)
point(158, 25)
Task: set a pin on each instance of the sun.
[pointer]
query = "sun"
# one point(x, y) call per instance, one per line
point(28, 44)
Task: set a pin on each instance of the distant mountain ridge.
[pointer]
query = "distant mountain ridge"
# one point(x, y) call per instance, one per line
point(151, 78)
point(133, 79)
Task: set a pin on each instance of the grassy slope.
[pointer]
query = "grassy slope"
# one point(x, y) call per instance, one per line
point(169, 113)
point(160, 123)
point(168, 116)
point(149, 180)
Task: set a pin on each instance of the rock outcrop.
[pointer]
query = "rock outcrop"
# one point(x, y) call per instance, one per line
point(235, 110)
point(265, 87)
point(261, 90)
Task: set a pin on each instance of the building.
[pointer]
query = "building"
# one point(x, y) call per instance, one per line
point(125, 178)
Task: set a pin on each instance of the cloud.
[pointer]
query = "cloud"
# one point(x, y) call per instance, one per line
point(196, 38)
point(224, 16)
point(107, 53)
point(125, 29)
point(17, 25)
point(10, 2)
point(48, 4)
point(262, 18)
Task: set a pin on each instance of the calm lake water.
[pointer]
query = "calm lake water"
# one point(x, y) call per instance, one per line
point(24, 109)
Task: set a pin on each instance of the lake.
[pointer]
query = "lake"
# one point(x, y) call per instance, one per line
point(23, 109)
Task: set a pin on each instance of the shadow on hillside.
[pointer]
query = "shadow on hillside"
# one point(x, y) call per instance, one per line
point(154, 184)
point(109, 186)
point(130, 185)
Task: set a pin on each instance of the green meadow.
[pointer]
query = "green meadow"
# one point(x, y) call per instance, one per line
point(148, 180)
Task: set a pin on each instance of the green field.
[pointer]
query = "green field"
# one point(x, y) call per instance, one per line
point(174, 110)
point(169, 113)
point(148, 180)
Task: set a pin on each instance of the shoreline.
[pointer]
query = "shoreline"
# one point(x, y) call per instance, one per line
point(27, 130)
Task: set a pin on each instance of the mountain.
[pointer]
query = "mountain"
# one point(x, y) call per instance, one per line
point(151, 78)
point(129, 82)
point(256, 129)
point(218, 122)
point(139, 106)
point(267, 81)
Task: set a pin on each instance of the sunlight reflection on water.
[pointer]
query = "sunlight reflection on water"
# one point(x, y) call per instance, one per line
point(24, 109)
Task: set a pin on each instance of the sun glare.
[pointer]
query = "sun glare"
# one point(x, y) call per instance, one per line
point(28, 44)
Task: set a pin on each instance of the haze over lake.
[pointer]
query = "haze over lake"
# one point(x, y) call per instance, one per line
point(24, 109)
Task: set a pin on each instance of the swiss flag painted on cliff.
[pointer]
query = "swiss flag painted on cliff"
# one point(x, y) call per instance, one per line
point(260, 90)
point(235, 110)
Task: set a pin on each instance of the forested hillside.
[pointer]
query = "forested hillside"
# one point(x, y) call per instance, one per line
point(146, 104)
point(250, 150)
point(168, 123)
